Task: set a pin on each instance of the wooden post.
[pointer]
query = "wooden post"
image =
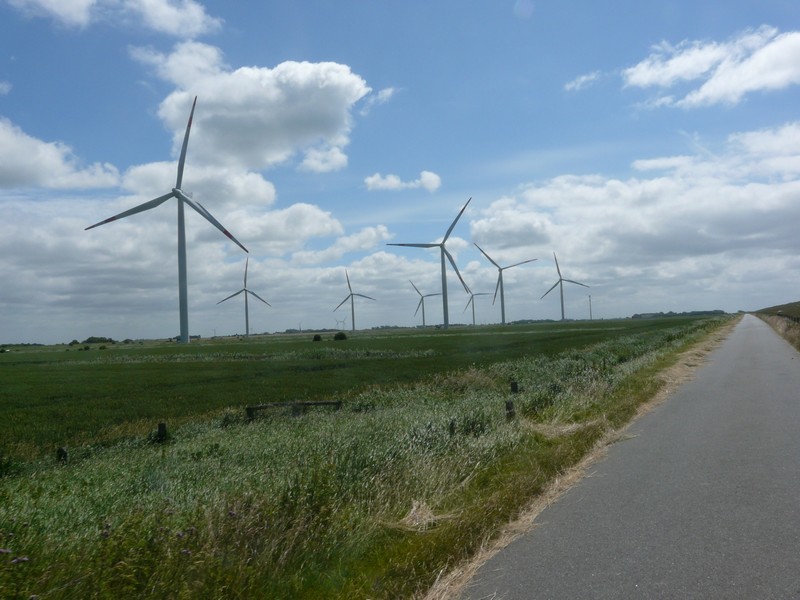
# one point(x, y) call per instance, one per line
point(62, 456)
point(514, 387)
point(510, 412)
point(162, 432)
point(452, 427)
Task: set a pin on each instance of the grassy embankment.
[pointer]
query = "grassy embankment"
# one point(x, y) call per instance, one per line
point(371, 501)
point(785, 320)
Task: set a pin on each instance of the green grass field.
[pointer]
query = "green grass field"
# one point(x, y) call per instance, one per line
point(417, 468)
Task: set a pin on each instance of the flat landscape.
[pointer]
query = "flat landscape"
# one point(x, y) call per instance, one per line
point(423, 461)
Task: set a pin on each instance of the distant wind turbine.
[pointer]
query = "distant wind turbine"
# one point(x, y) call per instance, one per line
point(444, 253)
point(182, 198)
point(246, 307)
point(351, 297)
point(422, 301)
point(499, 285)
point(472, 302)
point(560, 283)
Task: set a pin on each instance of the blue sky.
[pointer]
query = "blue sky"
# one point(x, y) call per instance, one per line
point(655, 147)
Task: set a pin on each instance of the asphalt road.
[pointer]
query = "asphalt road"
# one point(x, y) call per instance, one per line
point(700, 500)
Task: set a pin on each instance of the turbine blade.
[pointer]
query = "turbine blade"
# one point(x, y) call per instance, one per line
point(418, 305)
point(496, 288)
point(231, 296)
point(182, 159)
point(429, 295)
point(455, 268)
point(416, 245)
point(471, 299)
point(202, 211)
point(135, 209)
point(453, 224)
point(557, 267)
point(521, 263)
point(259, 297)
point(363, 296)
point(551, 289)
point(246, 263)
point(576, 282)
point(489, 258)
point(348, 281)
point(342, 302)
point(415, 287)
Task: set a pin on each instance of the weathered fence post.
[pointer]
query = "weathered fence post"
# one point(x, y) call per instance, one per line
point(62, 456)
point(514, 387)
point(510, 412)
point(161, 436)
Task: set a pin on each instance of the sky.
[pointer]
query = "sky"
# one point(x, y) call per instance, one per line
point(654, 148)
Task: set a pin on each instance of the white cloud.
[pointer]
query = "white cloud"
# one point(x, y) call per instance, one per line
point(5, 88)
point(758, 60)
point(74, 13)
point(427, 180)
point(382, 97)
point(26, 162)
point(582, 82)
point(181, 18)
point(257, 117)
point(365, 240)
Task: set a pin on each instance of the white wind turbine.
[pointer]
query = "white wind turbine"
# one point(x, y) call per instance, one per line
point(422, 301)
point(351, 297)
point(182, 198)
point(499, 285)
point(246, 307)
point(472, 302)
point(444, 253)
point(560, 283)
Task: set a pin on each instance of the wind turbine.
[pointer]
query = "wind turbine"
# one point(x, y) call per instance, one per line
point(246, 308)
point(422, 301)
point(444, 253)
point(182, 198)
point(560, 283)
point(472, 301)
point(499, 285)
point(352, 302)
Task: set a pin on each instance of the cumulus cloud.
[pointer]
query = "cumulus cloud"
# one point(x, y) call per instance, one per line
point(366, 239)
point(27, 162)
point(427, 180)
point(756, 60)
point(5, 88)
point(182, 18)
point(257, 117)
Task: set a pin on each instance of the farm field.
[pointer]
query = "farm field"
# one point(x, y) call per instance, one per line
point(421, 463)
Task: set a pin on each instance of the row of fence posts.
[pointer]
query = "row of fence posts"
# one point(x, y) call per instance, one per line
point(62, 455)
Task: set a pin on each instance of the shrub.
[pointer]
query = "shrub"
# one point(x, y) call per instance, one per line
point(317, 338)
point(340, 335)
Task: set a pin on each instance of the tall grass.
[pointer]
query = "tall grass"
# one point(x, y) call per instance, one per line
point(369, 501)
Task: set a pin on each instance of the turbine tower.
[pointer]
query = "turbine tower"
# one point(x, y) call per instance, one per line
point(422, 301)
point(182, 198)
point(444, 253)
point(472, 302)
point(499, 285)
point(560, 283)
point(352, 302)
point(246, 307)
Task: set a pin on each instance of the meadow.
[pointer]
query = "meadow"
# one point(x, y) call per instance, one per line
point(420, 465)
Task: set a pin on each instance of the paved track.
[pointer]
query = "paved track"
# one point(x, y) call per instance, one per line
point(701, 501)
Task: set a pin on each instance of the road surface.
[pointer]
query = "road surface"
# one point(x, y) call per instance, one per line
point(700, 500)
